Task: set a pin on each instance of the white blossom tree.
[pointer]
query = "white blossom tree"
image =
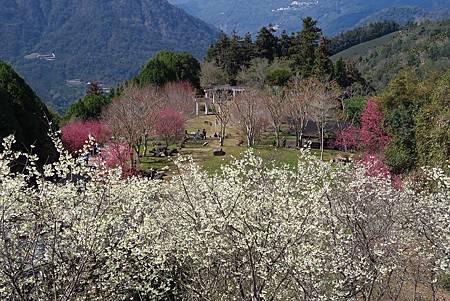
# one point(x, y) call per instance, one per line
point(250, 232)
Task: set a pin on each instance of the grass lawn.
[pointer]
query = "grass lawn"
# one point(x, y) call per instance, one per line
point(203, 155)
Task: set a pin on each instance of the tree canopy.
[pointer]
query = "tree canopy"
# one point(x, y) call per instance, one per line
point(305, 53)
point(89, 107)
point(22, 113)
point(169, 66)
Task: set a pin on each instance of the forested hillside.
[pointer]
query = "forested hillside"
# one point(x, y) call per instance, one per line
point(424, 47)
point(334, 16)
point(59, 46)
point(361, 34)
point(23, 114)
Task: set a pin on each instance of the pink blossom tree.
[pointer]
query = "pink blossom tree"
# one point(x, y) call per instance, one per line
point(348, 138)
point(76, 134)
point(370, 136)
point(116, 154)
point(170, 125)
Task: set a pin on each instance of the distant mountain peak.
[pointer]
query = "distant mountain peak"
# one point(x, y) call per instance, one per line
point(334, 16)
point(104, 40)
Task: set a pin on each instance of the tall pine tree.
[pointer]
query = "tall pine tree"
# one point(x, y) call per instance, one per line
point(267, 43)
point(217, 53)
point(323, 66)
point(284, 44)
point(304, 48)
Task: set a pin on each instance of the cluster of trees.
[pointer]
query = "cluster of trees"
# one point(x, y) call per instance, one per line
point(91, 106)
point(131, 120)
point(407, 125)
point(153, 106)
point(252, 232)
point(164, 68)
point(302, 101)
point(142, 113)
point(169, 66)
point(274, 59)
point(22, 113)
point(361, 34)
point(424, 46)
point(416, 117)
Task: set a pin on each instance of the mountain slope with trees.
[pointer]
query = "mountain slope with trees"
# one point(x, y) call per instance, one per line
point(23, 114)
point(334, 16)
point(101, 40)
point(423, 47)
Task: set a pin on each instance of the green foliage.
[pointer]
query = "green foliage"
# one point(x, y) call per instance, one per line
point(304, 48)
point(348, 77)
point(278, 77)
point(90, 107)
point(266, 44)
point(400, 103)
point(231, 54)
point(23, 114)
point(424, 48)
point(168, 66)
point(305, 52)
point(285, 43)
point(353, 108)
point(417, 114)
point(432, 126)
point(361, 34)
point(323, 66)
point(399, 158)
point(400, 153)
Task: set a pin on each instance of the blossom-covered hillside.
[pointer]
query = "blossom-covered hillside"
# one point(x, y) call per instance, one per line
point(250, 232)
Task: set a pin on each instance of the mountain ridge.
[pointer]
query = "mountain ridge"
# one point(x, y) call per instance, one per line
point(335, 16)
point(102, 40)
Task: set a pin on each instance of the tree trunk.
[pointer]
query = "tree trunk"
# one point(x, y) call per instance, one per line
point(277, 136)
point(297, 138)
point(249, 141)
point(300, 138)
point(144, 151)
point(132, 158)
point(321, 142)
point(433, 289)
point(222, 135)
point(135, 153)
point(250, 136)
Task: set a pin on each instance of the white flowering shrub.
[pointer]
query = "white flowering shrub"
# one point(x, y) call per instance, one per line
point(70, 231)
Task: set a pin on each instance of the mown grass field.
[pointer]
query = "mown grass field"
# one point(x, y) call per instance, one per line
point(362, 49)
point(203, 155)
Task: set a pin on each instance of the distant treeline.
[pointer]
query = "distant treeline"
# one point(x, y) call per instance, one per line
point(304, 53)
point(361, 34)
